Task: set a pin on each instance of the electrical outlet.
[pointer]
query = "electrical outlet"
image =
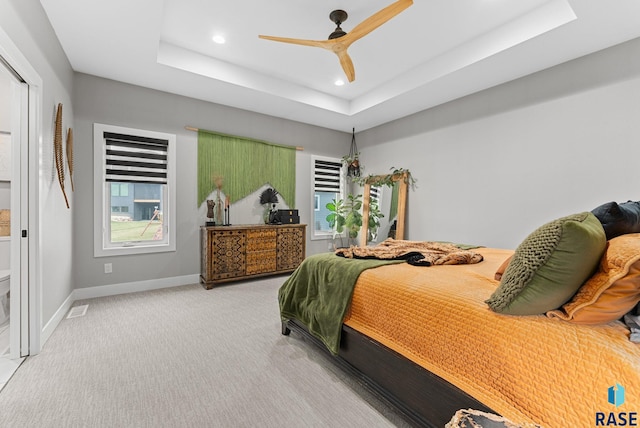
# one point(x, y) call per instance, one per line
point(108, 268)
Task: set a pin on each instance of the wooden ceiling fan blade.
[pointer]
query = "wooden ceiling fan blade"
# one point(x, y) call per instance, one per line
point(347, 65)
point(376, 20)
point(340, 43)
point(315, 43)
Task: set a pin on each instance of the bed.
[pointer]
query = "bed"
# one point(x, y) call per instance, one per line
point(436, 339)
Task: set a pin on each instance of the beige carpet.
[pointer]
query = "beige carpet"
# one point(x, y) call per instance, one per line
point(186, 357)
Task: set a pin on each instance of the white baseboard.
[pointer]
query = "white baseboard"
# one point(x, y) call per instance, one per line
point(111, 290)
point(55, 320)
point(132, 287)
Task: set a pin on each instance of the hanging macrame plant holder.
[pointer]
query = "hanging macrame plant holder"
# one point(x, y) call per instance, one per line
point(353, 166)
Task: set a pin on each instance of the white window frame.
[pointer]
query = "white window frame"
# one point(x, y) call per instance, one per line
point(317, 234)
point(102, 201)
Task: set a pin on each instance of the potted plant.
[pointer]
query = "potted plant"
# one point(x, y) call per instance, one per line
point(345, 216)
point(336, 217)
point(374, 220)
point(353, 218)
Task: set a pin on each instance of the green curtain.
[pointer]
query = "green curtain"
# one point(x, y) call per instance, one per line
point(393, 209)
point(244, 165)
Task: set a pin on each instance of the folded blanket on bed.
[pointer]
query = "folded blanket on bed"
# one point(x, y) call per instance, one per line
point(470, 418)
point(319, 291)
point(425, 253)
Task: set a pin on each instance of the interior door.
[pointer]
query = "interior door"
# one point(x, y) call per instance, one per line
point(15, 120)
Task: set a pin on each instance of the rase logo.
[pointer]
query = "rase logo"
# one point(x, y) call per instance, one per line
point(615, 397)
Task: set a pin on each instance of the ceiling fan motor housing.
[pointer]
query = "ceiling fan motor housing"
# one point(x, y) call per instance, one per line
point(337, 17)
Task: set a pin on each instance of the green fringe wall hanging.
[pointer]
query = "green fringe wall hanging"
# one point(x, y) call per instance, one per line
point(245, 165)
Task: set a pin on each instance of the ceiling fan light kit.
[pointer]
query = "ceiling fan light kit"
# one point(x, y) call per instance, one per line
point(339, 40)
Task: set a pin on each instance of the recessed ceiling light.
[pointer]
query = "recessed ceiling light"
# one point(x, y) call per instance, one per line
point(219, 39)
point(339, 82)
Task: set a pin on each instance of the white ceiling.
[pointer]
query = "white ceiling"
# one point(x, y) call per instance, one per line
point(433, 52)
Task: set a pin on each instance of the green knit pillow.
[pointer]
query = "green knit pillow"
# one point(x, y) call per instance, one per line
point(550, 265)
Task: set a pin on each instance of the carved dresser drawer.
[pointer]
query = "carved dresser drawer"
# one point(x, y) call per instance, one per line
point(229, 253)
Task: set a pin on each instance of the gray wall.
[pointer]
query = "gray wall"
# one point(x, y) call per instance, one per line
point(27, 26)
point(490, 167)
point(493, 166)
point(105, 101)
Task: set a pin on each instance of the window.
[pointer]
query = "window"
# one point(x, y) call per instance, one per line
point(374, 193)
point(328, 184)
point(119, 189)
point(134, 188)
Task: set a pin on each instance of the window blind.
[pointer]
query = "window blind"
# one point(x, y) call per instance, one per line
point(374, 193)
point(327, 176)
point(135, 159)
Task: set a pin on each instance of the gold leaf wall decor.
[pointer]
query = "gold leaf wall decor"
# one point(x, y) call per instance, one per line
point(70, 156)
point(57, 149)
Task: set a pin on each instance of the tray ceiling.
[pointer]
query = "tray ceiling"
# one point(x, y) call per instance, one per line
point(431, 53)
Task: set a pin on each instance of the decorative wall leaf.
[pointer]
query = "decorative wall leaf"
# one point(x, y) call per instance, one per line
point(57, 149)
point(70, 156)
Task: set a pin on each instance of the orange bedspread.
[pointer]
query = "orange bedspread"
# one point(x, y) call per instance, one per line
point(529, 369)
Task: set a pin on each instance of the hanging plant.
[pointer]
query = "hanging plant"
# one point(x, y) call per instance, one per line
point(352, 160)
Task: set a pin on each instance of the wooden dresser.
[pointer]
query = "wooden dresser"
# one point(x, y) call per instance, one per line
point(231, 253)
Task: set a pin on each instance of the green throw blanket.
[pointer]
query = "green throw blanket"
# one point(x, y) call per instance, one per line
point(319, 292)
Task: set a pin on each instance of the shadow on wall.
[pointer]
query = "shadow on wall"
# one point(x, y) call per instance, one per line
point(245, 211)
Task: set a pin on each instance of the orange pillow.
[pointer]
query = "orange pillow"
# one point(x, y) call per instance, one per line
point(612, 291)
point(502, 268)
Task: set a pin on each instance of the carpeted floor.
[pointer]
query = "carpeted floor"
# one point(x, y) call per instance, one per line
point(186, 357)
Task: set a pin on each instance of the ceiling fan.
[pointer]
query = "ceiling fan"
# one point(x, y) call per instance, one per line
point(339, 40)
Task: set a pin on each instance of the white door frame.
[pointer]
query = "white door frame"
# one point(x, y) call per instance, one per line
point(18, 337)
point(29, 271)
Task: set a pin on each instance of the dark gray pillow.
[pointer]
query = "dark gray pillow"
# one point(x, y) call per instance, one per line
point(619, 219)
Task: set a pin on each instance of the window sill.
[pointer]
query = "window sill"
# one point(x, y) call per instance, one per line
point(137, 249)
point(327, 237)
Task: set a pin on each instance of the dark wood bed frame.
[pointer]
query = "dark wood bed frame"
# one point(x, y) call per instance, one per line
point(422, 397)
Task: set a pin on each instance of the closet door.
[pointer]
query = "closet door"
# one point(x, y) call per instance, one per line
point(14, 339)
